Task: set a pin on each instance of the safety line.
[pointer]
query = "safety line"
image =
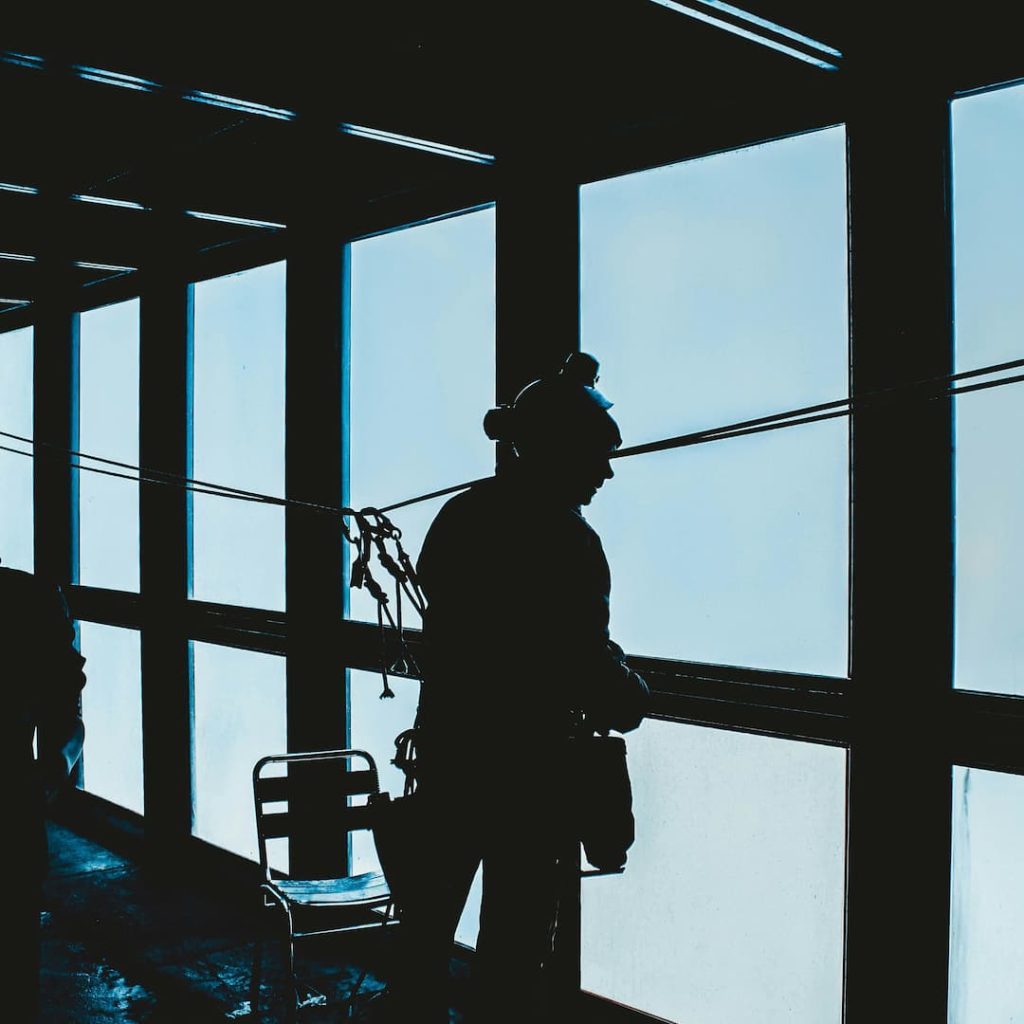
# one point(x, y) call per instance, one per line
point(742, 428)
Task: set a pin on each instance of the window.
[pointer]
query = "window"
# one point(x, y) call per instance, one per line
point(422, 368)
point(112, 712)
point(715, 291)
point(987, 899)
point(731, 908)
point(238, 410)
point(109, 428)
point(988, 161)
point(16, 529)
point(240, 716)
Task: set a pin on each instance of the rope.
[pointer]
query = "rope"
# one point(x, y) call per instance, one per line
point(928, 389)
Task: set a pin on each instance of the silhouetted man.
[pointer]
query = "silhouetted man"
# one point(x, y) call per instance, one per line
point(42, 675)
point(516, 648)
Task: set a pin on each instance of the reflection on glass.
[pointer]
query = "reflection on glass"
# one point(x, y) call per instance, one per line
point(715, 291)
point(16, 529)
point(374, 725)
point(240, 716)
point(238, 432)
point(731, 907)
point(112, 712)
point(989, 294)
point(422, 358)
point(986, 984)
point(109, 427)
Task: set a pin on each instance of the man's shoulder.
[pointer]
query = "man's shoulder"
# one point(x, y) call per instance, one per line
point(16, 582)
point(480, 500)
point(29, 596)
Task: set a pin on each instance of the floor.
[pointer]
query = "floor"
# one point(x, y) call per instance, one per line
point(119, 948)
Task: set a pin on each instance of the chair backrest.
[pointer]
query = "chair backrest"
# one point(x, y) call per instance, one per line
point(315, 786)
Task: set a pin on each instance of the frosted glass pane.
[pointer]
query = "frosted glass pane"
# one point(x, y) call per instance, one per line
point(16, 529)
point(988, 211)
point(374, 725)
point(238, 436)
point(718, 556)
point(112, 712)
point(989, 649)
point(109, 427)
point(715, 291)
point(989, 294)
point(731, 907)
point(240, 716)
point(986, 983)
point(422, 364)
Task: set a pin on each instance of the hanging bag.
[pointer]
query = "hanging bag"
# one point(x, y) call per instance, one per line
point(603, 798)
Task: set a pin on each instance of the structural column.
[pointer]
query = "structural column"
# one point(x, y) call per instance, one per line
point(537, 274)
point(902, 584)
point(316, 408)
point(165, 445)
point(538, 326)
point(55, 383)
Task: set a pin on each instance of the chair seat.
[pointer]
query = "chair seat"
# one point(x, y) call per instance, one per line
point(355, 890)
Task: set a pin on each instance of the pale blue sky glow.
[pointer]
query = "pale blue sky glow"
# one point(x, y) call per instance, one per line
point(112, 712)
point(714, 291)
point(109, 427)
point(16, 529)
point(988, 209)
point(240, 716)
point(238, 436)
point(422, 368)
point(986, 984)
point(731, 907)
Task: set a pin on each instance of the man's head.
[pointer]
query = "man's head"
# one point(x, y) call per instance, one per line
point(562, 430)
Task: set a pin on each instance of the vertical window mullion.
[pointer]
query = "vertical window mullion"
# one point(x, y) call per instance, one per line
point(315, 459)
point(165, 445)
point(901, 656)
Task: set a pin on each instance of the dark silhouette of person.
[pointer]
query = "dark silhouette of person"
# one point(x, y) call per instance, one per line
point(516, 648)
point(43, 679)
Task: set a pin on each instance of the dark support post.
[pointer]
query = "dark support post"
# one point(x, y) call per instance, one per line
point(165, 444)
point(55, 403)
point(538, 326)
point(55, 371)
point(537, 276)
point(902, 587)
point(317, 336)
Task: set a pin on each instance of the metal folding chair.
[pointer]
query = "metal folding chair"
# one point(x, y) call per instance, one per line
point(351, 903)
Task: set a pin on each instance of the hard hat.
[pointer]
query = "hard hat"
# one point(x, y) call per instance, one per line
point(564, 410)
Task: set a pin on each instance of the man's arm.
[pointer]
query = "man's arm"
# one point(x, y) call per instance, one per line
point(615, 697)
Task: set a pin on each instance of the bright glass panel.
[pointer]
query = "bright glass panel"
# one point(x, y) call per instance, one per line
point(238, 412)
point(730, 910)
point(715, 291)
point(988, 210)
point(109, 428)
point(422, 365)
point(240, 716)
point(112, 712)
point(986, 983)
point(16, 528)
